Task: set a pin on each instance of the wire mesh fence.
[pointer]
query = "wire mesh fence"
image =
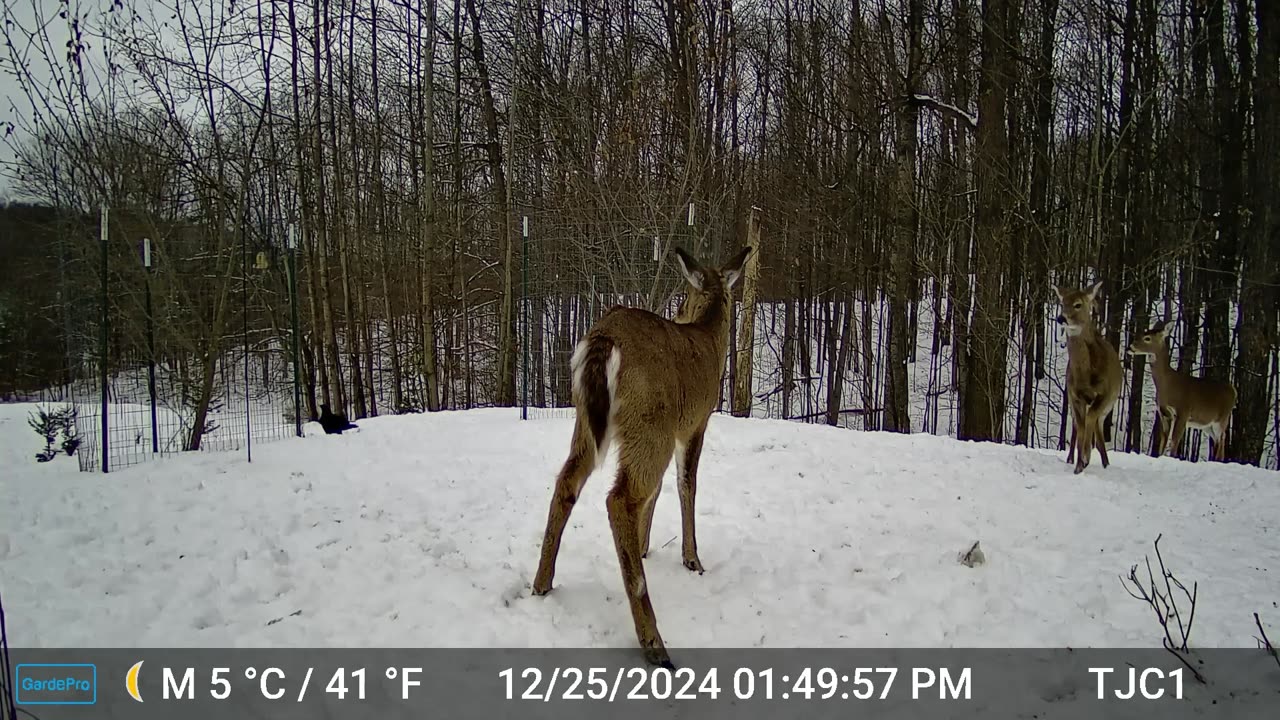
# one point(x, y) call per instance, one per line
point(180, 341)
point(184, 343)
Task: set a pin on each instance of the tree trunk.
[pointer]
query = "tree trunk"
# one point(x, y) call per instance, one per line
point(897, 396)
point(747, 329)
point(984, 395)
point(427, 223)
point(323, 229)
point(1229, 121)
point(384, 234)
point(506, 380)
point(1257, 335)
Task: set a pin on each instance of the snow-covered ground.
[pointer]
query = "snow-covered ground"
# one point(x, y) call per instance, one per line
point(424, 530)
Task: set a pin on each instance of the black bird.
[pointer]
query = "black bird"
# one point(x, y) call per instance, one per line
point(333, 424)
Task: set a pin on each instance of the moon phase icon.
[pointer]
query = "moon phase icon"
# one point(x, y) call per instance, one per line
point(131, 681)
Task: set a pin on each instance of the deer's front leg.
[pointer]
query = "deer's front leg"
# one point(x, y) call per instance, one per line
point(1179, 431)
point(1099, 442)
point(1166, 425)
point(687, 479)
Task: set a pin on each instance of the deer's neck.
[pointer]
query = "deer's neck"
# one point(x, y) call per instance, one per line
point(1160, 367)
point(714, 318)
point(1087, 336)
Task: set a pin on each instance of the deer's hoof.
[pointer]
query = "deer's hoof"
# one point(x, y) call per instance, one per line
point(658, 656)
point(694, 564)
point(541, 588)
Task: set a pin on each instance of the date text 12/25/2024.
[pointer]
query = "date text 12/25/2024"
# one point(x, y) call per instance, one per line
point(641, 683)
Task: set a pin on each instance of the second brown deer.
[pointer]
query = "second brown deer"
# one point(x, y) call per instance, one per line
point(1184, 400)
point(1094, 376)
point(649, 385)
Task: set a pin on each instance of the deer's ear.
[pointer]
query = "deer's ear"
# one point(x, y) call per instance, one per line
point(1062, 292)
point(1092, 290)
point(732, 270)
point(1163, 331)
point(690, 268)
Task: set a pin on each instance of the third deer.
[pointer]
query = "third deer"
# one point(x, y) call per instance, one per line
point(1094, 376)
point(1195, 402)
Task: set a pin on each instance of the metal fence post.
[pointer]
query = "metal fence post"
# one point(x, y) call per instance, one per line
point(151, 347)
point(102, 344)
point(244, 342)
point(292, 265)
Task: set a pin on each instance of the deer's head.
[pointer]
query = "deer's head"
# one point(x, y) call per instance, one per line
point(1077, 307)
point(708, 288)
point(1150, 342)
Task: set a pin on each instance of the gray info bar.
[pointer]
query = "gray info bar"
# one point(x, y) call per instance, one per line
point(352, 684)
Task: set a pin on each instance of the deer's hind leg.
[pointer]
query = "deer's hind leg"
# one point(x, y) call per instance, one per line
point(646, 521)
point(573, 475)
point(642, 459)
point(1217, 450)
point(687, 477)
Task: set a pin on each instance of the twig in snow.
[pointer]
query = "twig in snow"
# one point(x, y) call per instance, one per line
point(1266, 642)
point(1165, 606)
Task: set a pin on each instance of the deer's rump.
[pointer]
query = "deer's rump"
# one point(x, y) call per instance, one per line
point(595, 374)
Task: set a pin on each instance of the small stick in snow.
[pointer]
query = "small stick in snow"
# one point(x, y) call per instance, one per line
point(1265, 640)
point(974, 556)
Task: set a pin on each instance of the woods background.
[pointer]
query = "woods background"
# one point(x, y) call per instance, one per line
point(916, 173)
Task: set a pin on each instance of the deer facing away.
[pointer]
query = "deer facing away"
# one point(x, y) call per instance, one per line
point(1199, 403)
point(1094, 376)
point(650, 385)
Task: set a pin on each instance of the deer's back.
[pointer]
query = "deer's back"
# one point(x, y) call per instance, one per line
point(1206, 400)
point(667, 370)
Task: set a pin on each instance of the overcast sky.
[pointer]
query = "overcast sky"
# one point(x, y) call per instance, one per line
point(21, 19)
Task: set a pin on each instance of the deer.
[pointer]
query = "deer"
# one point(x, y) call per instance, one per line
point(1196, 402)
point(1094, 376)
point(649, 386)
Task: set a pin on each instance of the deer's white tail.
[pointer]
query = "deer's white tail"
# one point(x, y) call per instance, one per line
point(595, 365)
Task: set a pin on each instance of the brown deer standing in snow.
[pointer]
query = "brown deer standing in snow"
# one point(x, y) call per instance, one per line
point(1094, 376)
point(650, 385)
point(1196, 402)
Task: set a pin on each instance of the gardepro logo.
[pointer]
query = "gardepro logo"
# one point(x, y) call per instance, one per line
point(56, 684)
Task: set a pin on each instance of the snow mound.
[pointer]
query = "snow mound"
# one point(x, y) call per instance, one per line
point(424, 530)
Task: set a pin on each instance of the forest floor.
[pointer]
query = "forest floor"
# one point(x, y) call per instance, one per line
point(424, 530)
